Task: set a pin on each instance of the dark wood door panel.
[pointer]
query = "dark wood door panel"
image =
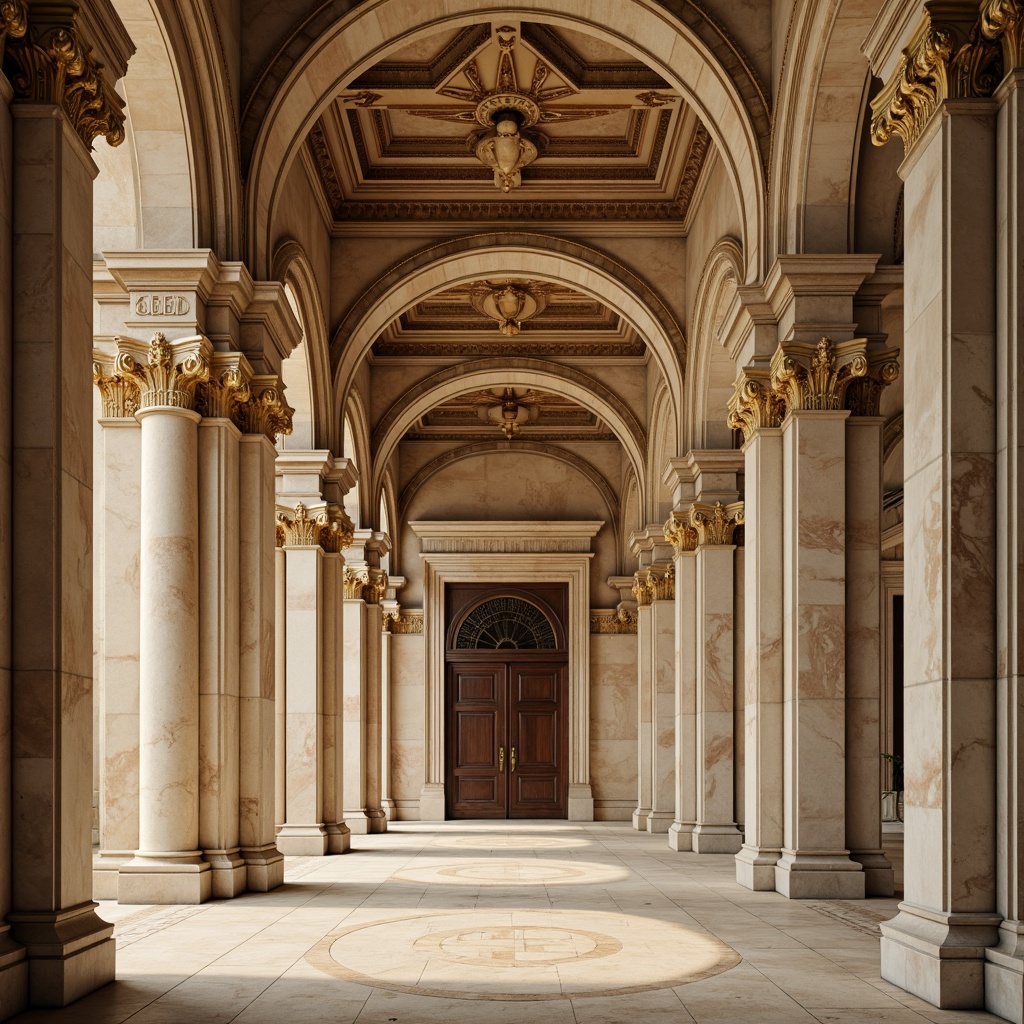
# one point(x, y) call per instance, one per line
point(477, 730)
point(539, 785)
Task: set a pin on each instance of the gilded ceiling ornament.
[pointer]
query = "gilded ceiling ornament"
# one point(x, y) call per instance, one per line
point(510, 303)
point(679, 532)
point(716, 524)
point(264, 411)
point(302, 529)
point(50, 63)
point(816, 377)
point(1003, 21)
point(943, 61)
point(655, 99)
point(754, 405)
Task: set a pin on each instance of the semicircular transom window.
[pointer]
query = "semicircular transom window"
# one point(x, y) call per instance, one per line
point(505, 623)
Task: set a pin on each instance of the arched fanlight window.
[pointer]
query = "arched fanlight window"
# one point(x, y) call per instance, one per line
point(505, 623)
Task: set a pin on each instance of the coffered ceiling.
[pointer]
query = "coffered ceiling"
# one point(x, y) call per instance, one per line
point(613, 140)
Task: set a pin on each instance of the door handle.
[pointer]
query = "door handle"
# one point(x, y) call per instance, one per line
point(513, 767)
point(501, 759)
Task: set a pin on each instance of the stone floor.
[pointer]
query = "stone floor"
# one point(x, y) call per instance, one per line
point(520, 922)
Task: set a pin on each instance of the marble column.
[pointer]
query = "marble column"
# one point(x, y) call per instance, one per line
point(936, 946)
point(644, 704)
point(815, 862)
point(683, 538)
point(302, 832)
point(365, 586)
point(46, 684)
point(1004, 966)
point(662, 588)
point(715, 830)
point(756, 411)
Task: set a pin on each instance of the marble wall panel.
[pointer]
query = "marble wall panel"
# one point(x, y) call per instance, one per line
point(613, 721)
point(407, 707)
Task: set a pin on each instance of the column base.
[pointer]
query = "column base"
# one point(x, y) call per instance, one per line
point(939, 957)
point(581, 802)
point(70, 953)
point(879, 876)
point(716, 838)
point(13, 975)
point(228, 870)
point(1004, 973)
point(165, 878)
point(368, 822)
point(639, 818)
point(680, 836)
point(339, 837)
point(659, 822)
point(390, 808)
point(302, 840)
point(755, 868)
point(432, 802)
point(105, 866)
point(264, 867)
point(822, 875)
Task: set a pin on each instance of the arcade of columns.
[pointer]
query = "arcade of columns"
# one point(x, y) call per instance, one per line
point(258, 615)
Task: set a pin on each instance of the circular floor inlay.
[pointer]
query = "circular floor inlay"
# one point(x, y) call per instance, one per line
point(505, 872)
point(521, 954)
point(484, 842)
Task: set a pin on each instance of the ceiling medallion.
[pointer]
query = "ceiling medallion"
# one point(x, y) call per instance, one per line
point(509, 415)
point(509, 303)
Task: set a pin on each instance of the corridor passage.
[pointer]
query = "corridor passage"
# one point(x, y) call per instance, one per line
point(476, 921)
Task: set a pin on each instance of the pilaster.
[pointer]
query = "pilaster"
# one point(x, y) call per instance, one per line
point(391, 613)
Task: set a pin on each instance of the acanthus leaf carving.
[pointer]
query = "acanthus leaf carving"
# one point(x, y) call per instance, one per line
point(716, 524)
point(1003, 21)
point(640, 589)
point(120, 394)
point(264, 410)
point(754, 404)
point(219, 396)
point(864, 394)
point(337, 532)
point(13, 21)
point(302, 529)
point(679, 532)
point(816, 377)
point(621, 621)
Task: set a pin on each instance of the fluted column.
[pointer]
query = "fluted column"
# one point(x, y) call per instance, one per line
point(715, 830)
point(683, 538)
point(168, 866)
point(756, 411)
point(933, 99)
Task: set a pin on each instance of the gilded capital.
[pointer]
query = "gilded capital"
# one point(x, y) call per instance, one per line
point(264, 410)
point(640, 590)
point(301, 528)
point(806, 376)
point(754, 403)
point(119, 390)
point(1002, 21)
point(49, 61)
point(336, 534)
point(226, 389)
point(679, 533)
point(355, 579)
point(945, 60)
point(171, 372)
point(716, 524)
point(661, 582)
point(864, 394)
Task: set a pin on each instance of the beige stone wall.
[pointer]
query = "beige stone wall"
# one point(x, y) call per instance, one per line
point(613, 725)
point(407, 704)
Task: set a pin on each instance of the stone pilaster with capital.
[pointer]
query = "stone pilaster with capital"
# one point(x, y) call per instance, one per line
point(679, 532)
point(301, 529)
point(754, 404)
point(716, 524)
point(48, 59)
point(120, 393)
point(641, 591)
point(264, 410)
point(817, 377)
point(226, 388)
point(336, 533)
point(864, 394)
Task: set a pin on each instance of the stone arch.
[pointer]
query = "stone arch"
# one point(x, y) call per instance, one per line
point(732, 108)
point(711, 371)
point(310, 363)
point(494, 372)
point(503, 253)
point(819, 118)
point(361, 501)
point(661, 446)
point(631, 514)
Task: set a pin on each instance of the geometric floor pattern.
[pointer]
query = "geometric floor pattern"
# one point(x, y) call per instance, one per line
point(546, 922)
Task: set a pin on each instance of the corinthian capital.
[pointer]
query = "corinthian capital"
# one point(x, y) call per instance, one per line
point(336, 534)
point(301, 528)
point(641, 591)
point(1003, 21)
point(754, 404)
point(808, 376)
point(661, 582)
point(119, 389)
point(864, 394)
point(226, 388)
point(948, 58)
point(679, 533)
point(264, 411)
point(715, 524)
point(49, 61)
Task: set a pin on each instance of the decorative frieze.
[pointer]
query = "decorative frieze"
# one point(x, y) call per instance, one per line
point(946, 59)
point(407, 622)
point(754, 404)
point(816, 377)
point(716, 524)
point(1003, 21)
point(49, 61)
point(679, 532)
point(613, 623)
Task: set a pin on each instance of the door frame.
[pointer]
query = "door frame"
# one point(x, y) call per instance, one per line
point(506, 552)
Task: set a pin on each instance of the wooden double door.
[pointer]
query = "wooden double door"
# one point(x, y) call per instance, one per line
point(508, 739)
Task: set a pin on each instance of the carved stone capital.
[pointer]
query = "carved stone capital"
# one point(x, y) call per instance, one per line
point(947, 58)
point(641, 591)
point(1002, 21)
point(226, 388)
point(715, 524)
point(170, 372)
point(365, 583)
point(119, 391)
point(679, 533)
point(336, 534)
point(301, 528)
point(806, 376)
point(49, 61)
point(864, 394)
point(754, 404)
point(264, 410)
point(661, 582)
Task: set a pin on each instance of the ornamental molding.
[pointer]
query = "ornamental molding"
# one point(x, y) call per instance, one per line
point(716, 524)
point(226, 389)
point(679, 532)
point(503, 537)
point(337, 533)
point(949, 57)
point(120, 394)
point(805, 376)
point(640, 591)
point(621, 621)
point(407, 622)
point(754, 404)
point(864, 395)
point(1003, 21)
point(655, 583)
point(48, 60)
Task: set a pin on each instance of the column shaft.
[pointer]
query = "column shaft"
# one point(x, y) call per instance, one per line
point(644, 727)
point(338, 831)
point(680, 833)
point(663, 694)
